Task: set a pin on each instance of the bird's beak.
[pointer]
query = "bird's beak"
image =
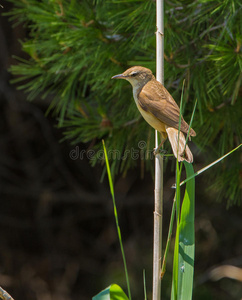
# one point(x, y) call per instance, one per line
point(119, 76)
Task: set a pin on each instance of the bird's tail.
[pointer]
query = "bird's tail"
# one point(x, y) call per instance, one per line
point(182, 153)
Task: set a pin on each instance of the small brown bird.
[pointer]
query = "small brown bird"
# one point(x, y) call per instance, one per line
point(159, 109)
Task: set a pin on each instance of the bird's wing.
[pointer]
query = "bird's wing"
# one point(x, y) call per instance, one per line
point(155, 99)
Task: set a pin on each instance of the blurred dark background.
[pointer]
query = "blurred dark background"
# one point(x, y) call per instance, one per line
point(58, 237)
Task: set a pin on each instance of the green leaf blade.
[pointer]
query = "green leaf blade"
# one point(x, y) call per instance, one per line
point(184, 252)
point(187, 239)
point(113, 292)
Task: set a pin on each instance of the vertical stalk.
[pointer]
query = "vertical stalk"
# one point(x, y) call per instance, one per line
point(157, 246)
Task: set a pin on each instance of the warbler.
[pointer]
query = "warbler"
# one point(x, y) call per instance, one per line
point(159, 109)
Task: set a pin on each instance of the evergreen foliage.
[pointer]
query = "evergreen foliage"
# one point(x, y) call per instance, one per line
point(75, 47)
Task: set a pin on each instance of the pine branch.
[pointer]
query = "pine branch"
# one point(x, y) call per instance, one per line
point(75, 48)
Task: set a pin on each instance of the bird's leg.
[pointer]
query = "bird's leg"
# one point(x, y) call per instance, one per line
point(163, 138)
point(156, 150)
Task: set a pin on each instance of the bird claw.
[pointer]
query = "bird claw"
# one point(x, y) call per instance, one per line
point(156, 151)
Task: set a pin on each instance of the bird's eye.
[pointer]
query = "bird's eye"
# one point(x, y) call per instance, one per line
point(134, 73)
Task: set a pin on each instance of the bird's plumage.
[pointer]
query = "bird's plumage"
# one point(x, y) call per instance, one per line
point(180, 152)
point(154, 98)
point(159, 109)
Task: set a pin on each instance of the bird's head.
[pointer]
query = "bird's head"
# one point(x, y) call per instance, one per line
point(137, 76)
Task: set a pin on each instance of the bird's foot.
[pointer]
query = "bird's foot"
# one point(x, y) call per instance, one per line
point(156, 151)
